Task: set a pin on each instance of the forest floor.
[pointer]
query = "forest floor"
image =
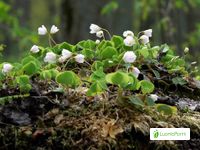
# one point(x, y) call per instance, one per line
point(48, 119)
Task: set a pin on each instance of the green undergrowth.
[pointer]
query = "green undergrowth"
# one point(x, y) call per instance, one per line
point(100, 94)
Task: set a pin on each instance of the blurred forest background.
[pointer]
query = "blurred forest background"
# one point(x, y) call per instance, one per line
point(176, 22)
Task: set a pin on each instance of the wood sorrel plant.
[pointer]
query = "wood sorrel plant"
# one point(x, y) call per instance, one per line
point(99, 66)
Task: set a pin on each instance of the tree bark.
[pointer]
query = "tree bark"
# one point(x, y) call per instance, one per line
point(78, 15)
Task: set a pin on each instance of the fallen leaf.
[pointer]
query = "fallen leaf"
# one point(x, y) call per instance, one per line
point(58, 119)
point(114, 130)
point(38, 133)
point(52, 113)
point(111, 129)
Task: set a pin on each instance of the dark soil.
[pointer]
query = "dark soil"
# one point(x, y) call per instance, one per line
point(49, 118)
point(35, 122)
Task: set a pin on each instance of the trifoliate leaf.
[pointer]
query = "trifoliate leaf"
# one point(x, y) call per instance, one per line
point(24, 83)
point(88, 53)
point(149, 101)
point(96, 65)
point(65, 45)
point(30, 68)
point(98, 75)
point(104, 44)
point(96, 88)
point(28, 59)
point(45, 75)
point(179, 80)
point(166, 109)
point(23, 80)
point(117, 40)
point(146, 86)
point(118, 78)
point(68, 78)
point(108, 52)
point(156, 73)
point(134, 84)
point(89, 44)
point(144, 52)
point(136, 101)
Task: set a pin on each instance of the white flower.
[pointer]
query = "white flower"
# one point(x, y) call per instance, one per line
point(99, 34)
point(154, 97)
point(144, 39)
point(129, 57)
point(148, 32)
point(7, 68)
point(50, 58)
point(42, 30)
point(129, 41)
point(97, 41)
point(110, 61)
point(94, 28)
point(54, 29)
point(128, 33)
point(34, 49)
point(66, 53)
point(186, 50)
point(193, 63)
point(136, 71)
point(62, 59)
point(79, 58)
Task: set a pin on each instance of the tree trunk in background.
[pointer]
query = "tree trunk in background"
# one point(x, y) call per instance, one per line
point(78, 15)
point(24, 11)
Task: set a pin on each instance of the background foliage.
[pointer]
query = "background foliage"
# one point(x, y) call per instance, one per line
point(175, 22)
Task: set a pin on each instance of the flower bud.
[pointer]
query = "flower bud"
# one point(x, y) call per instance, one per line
point(136, 72)
point(148, 32)
point(110, 61)
point(186, 50)
point(66, 53)
point(99, 34)
point(34, 49)
point(154, 97)
point(94, 28)
point(42, 30)
point(54, 29)
point(193, 63)
point(7, 68)
point(79, 58)
point(97, 41)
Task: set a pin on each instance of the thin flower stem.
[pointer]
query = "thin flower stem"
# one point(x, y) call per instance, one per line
point(118, 64)
point(107, 32)
point(49, 40)
point(127, 69)
point(52, 40)
point(104, 37)
point(119, 92)
point(87, 63)
point(66, 63)
point(86, 81)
